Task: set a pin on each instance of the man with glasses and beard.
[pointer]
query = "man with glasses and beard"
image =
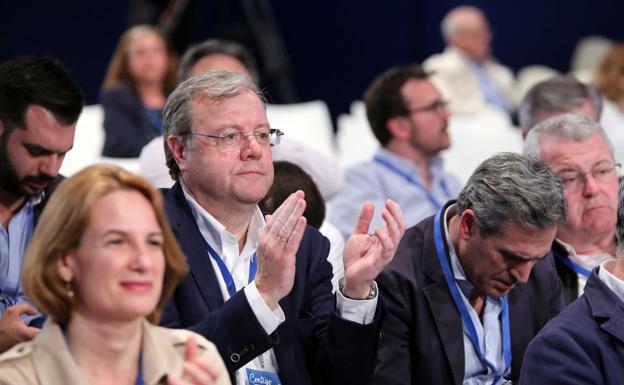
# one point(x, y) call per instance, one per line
point(409, 118)
point(39, 107)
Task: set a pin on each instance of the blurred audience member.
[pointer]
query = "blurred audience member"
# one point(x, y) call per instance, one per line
point(101, 265)
point(39, 107)
point(409, 119)
point(610, 82)
point(579, 152)
point(465, 72)
point(226, 55)
point(584, 344)
point(288, 178)
point(556, 96)
point(141, 74)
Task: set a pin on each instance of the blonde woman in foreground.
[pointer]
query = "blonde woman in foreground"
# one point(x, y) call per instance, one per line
point(101, 265)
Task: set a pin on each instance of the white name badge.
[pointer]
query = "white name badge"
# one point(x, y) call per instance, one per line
point(259, 377)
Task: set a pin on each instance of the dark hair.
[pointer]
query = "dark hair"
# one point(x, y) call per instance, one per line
point(217, 47)
point(40, 80)
point(384, 101)
point(288, 179)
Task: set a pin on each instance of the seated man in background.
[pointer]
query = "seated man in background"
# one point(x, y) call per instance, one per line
point(584, 344)
point(260, 288)
point(456, 315)
point(466, 73)
point(288, 179)
point(556, 96)
point(577, 149)
point(39, 107)
point(409, 119)
point(225, 55)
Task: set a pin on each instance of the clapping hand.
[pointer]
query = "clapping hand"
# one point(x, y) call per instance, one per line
point(365, 255)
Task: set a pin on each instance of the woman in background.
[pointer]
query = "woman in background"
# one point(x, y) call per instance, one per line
point(141, 74)
point(101, 265)
point(609, 80)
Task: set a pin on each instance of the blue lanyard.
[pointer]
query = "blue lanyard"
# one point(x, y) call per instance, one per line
point(461, 307)
point(578, 269)
point(225, 273)
point(414, 182)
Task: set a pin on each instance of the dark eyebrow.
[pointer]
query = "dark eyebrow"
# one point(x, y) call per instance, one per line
point(38, 150)
point(512, 255)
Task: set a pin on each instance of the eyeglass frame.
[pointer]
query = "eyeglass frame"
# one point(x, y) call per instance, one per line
point(582, 175)
point(434, 107)
point(272, 131)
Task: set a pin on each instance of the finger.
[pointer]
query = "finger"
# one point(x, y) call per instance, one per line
point(190, 349)
point(22, 308)
point(364, 220)
point(290, 224)
point(282, 213)
point(194, 374)
point(31, 332)
point(392, 226)
point(397, 214)
point(388, 246)
point(211, 368)
point(295, 239)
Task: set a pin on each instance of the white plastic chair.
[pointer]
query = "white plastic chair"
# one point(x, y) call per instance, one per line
point(308, 122)
point(88, 141)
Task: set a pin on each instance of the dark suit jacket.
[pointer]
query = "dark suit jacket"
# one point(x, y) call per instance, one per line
point(422, 336)
point(584, 345)
point(569, 278)
point(313, 345)
point(126, 124)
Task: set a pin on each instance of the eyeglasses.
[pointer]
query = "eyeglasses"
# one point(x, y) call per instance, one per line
point(233, 139)
point(575, 180)
point(436, 107)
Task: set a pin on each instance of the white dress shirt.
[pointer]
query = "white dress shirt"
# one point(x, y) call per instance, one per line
point(586, 261)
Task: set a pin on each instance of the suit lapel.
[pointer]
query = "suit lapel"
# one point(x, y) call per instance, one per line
point(446, 317)
point(193, 245)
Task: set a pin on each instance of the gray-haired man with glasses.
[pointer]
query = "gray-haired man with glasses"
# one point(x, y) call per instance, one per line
point(260, 288)
point(579, 152)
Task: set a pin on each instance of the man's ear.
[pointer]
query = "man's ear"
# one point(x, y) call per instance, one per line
point(399, 128)
point(178, 151)
point(467, 224)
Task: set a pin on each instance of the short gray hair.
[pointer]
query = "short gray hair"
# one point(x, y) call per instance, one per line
point(619, 234)
point(566, 127)
point(558, 94)
point(214, 86)
point(216, 47)
point(513, 187)
point(452, 22)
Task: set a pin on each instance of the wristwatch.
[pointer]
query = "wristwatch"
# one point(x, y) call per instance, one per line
point(371, 294)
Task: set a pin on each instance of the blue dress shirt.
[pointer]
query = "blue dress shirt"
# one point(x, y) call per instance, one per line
point(374, 181)
point(13, 244)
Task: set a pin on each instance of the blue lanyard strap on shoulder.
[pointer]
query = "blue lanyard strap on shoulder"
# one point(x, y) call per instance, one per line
point(578, 269)
point(461, 307)
point(413, 181)
point(225, 273)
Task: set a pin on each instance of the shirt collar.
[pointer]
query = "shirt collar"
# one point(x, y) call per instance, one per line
point(215, 233)
point(614, 283)
point(586, 261)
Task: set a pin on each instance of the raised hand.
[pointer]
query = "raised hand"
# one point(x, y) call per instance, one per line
point(13, 329)
point(277, 248)
point(365, 255)
point(197, 370)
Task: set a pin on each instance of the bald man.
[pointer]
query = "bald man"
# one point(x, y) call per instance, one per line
point(465, 72)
